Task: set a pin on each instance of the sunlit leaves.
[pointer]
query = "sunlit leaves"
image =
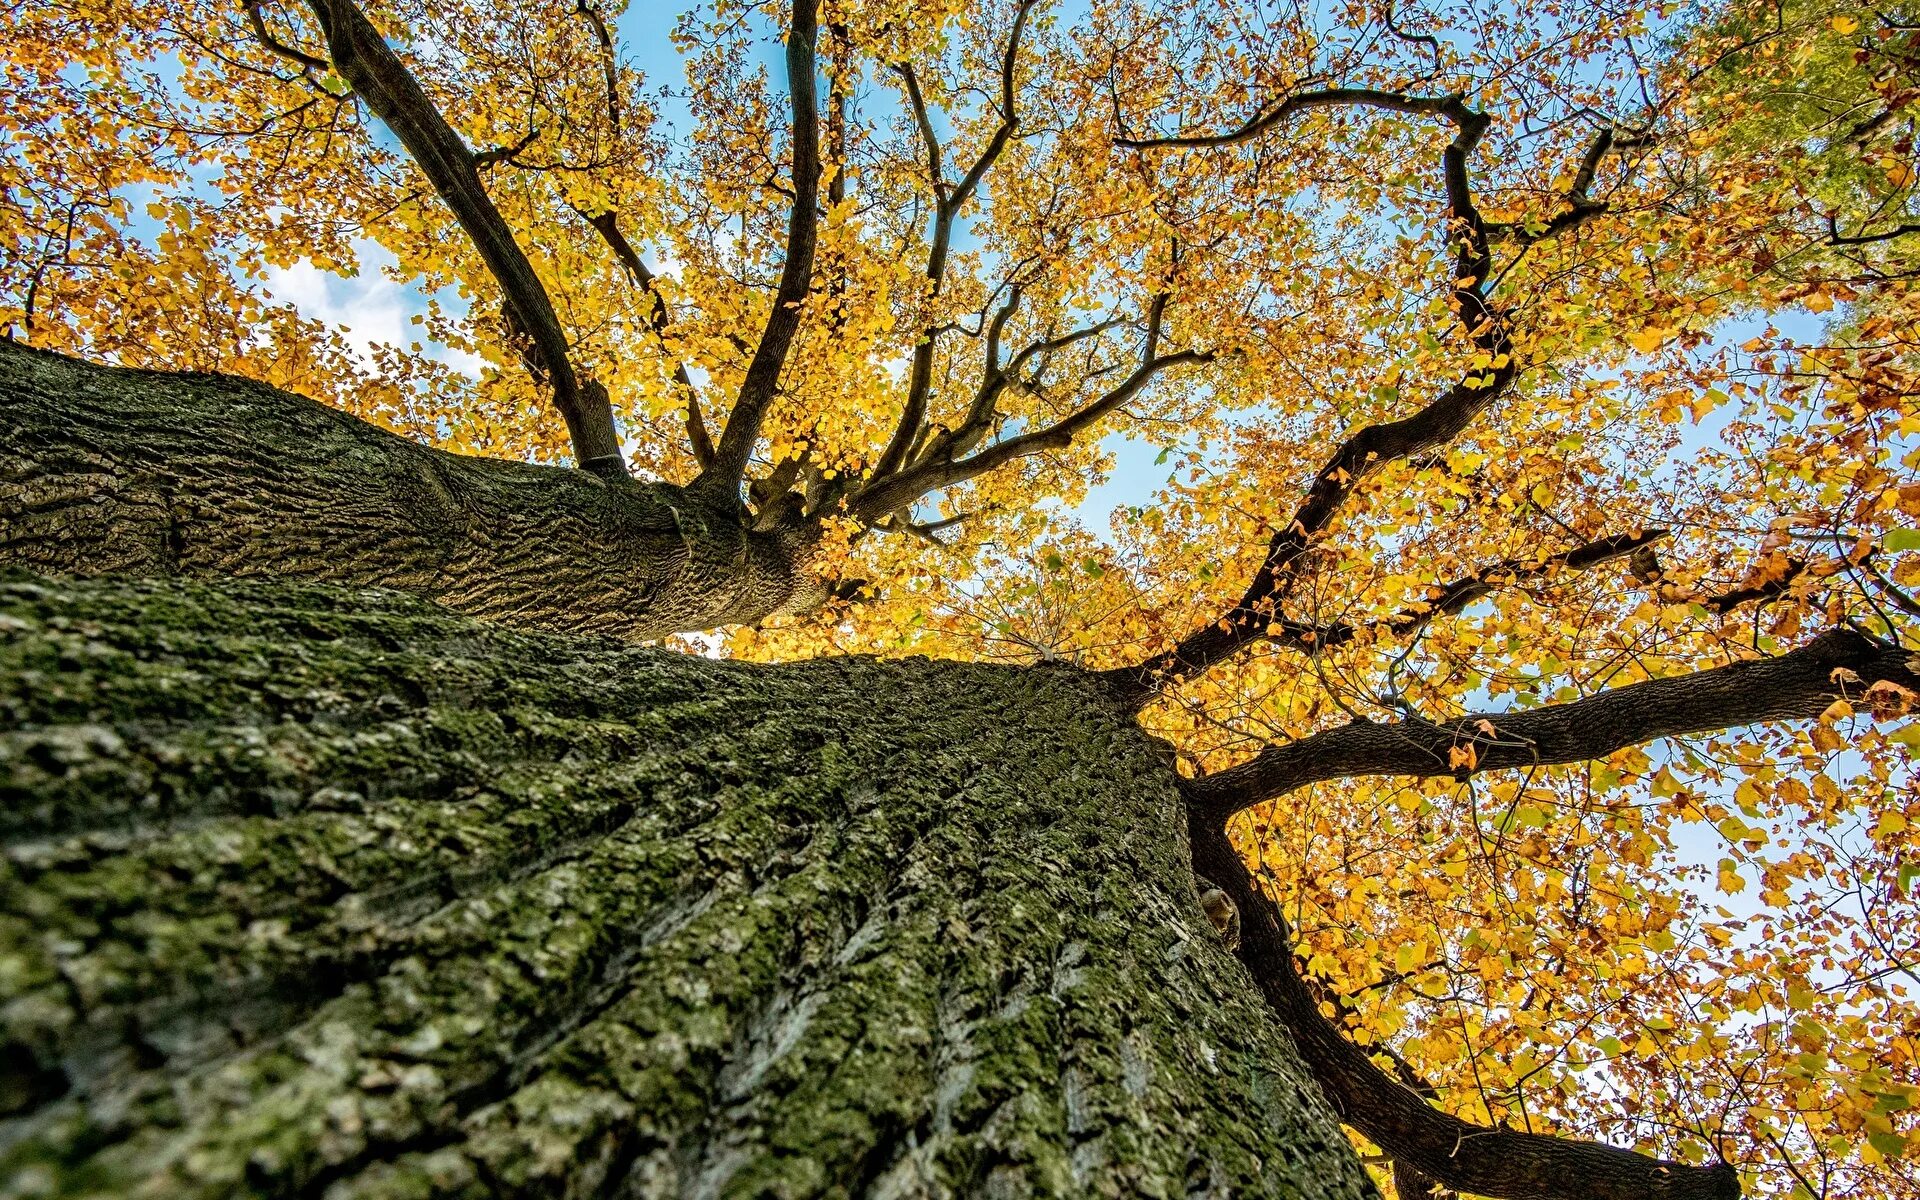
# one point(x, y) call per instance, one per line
point(1703, 949)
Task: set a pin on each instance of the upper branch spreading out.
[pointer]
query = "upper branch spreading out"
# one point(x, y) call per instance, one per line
point(1842, 662)
point(722, 477)
point(948, 201)
point(364, 60)
point(892, 493)
point(1373, 446)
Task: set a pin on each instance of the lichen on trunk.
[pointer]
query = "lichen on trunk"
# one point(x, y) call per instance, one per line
point(323, 892)
point(213, 476)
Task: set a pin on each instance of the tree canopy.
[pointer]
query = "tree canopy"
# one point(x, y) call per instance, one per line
point(1534, 388)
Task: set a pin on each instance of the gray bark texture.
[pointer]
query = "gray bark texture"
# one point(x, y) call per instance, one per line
point(325, 892)
point(210, 476)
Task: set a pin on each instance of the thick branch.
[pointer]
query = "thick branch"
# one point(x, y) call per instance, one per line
point(1472, 1158)
point(209, 476)
point(1796, 685)
point(796, 274)
point(1452, 107)
point(364, 60)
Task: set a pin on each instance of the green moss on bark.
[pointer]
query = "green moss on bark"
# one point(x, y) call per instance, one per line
point(328, 893)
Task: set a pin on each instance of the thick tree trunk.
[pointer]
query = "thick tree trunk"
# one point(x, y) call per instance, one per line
point(317, 892)
point(105, 470)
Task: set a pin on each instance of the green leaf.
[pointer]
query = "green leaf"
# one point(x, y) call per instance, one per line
point(1890, 1144)
point(1901, 539)
point(1891, 1102)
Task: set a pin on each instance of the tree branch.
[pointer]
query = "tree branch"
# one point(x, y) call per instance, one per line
point(1455, 596)
point(482, 159)
point(947, 206)
point(729, 466)
point(362, 57)
point(257, 22)
point(894, 492)
point(995, 381)
point(1836, 238)
point(1452, 107)
point(916, 101)
point(1840, 663)
point(1472, 1158)
point(1375, 445)
point(608, 62)
point(659, 319)
point(1581, 207)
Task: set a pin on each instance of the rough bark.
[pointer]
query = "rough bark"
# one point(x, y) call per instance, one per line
point(211, 476)
point(321, 892)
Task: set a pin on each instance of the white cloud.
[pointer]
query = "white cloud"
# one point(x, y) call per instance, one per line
point(369, 307)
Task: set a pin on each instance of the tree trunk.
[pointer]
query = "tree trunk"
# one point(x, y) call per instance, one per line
point(320, 892)
point(209, 476)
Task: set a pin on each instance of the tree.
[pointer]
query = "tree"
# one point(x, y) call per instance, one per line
point(466, 900)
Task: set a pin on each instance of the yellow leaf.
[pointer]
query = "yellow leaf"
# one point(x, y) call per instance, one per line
point(1649, 339)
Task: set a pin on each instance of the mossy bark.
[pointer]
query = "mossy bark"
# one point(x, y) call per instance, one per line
point(213, 477)
point(321, 892)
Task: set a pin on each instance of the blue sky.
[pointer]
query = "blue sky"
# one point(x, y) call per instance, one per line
point(374, 309)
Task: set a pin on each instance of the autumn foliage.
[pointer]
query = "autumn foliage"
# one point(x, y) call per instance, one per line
point(1693, 346)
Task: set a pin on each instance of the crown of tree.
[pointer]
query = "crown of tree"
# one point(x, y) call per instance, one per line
point(1527, 590)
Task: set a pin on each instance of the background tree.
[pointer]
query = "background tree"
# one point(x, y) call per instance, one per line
point(1436, 323)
